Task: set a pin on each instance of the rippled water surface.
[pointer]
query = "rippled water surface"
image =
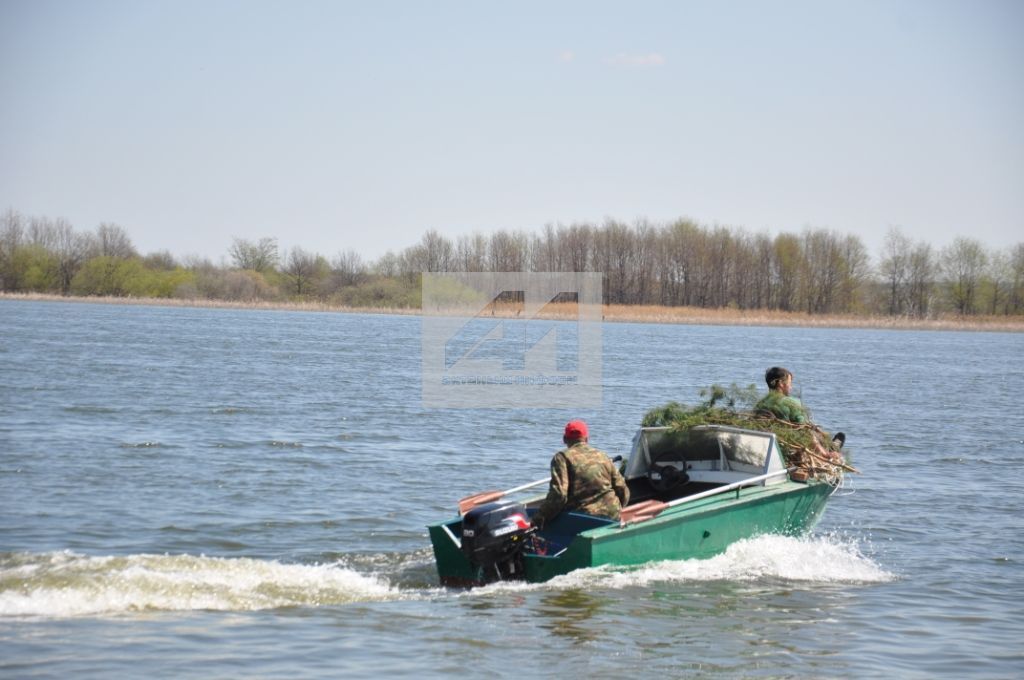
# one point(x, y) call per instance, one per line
point(215, 493)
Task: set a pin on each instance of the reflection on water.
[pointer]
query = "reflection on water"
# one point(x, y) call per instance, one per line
point(568, 613)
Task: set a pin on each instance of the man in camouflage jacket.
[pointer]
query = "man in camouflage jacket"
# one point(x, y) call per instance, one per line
point(778, 402)
point(583, 479)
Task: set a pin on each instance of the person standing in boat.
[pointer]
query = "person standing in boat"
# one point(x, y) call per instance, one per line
point(583, 479)
point(778, 402)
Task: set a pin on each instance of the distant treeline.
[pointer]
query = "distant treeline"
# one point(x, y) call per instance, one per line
point(676, 264)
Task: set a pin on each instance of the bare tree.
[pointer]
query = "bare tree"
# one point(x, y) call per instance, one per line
point(1016, 296)
point(388, 265)
point(854, 274)
point(260, 257)
point(761, 250)
point(508, 251)
point(12, 233)
point(42, 232)
point(894, 269)
point(643, 283)
point(545, 253)
point(746, 286)
point(412, 262)
point(303, 270)
point(71, 250)
point(678, 264)
point(717, 267)
point(820, 271)
point(576, 243)
point(787, 265)
point(471, 253)
point(963, 263)
point(921, 280)
point(113, 241)
point(438, 253)
point(995, 282)
point(348, 269)
point(613, 255)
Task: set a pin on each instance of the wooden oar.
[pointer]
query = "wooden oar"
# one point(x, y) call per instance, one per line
point(641, 511)
point(470, 502)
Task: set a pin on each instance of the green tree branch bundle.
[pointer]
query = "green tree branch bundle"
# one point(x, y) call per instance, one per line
point(801, 444)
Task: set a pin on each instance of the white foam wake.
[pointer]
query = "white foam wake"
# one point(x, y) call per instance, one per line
point(68, 584)
point(819, 559)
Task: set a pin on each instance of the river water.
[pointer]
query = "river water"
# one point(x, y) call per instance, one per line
point(233, 493)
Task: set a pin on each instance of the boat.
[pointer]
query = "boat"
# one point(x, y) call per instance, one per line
point(693, 493)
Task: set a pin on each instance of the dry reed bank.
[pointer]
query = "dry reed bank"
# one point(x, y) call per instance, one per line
point(610, 313)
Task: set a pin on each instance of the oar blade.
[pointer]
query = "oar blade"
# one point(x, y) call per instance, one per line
point(470, 502)
point(641, 511)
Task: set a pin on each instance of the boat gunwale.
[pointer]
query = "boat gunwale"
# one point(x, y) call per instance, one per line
point(725, 498)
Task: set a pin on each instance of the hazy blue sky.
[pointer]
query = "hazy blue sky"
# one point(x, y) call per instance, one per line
point(337, 125)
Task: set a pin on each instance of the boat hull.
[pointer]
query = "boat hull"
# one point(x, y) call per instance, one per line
point(696, 530)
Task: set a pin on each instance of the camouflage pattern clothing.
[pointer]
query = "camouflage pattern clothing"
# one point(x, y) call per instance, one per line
point(583, 479)
point(781, 406)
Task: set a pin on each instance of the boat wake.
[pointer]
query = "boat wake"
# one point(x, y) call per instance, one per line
point(68, 584)
point(810, 560)
point(64, 584)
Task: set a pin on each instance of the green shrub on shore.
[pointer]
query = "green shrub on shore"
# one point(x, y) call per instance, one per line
point(34, 268)
point(118, 277)
point(379, 292)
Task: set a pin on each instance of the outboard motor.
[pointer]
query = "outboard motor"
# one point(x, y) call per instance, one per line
point(493, 538)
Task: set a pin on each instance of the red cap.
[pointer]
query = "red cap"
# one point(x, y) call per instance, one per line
point(575, 429)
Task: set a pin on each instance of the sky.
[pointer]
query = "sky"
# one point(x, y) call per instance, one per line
point(340, 126)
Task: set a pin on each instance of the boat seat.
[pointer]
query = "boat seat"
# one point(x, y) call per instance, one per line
point(563, 528)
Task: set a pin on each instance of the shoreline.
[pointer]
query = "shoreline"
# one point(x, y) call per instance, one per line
point(610, 314)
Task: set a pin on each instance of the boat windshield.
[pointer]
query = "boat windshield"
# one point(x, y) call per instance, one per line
point(704, 447)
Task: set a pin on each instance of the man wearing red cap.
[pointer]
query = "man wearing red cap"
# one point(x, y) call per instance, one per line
point(583, 479)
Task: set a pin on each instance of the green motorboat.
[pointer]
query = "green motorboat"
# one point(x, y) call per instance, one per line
point(692, 494)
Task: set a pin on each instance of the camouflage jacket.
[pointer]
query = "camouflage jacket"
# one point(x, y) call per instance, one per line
point(583, 479)
point(781, 406)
